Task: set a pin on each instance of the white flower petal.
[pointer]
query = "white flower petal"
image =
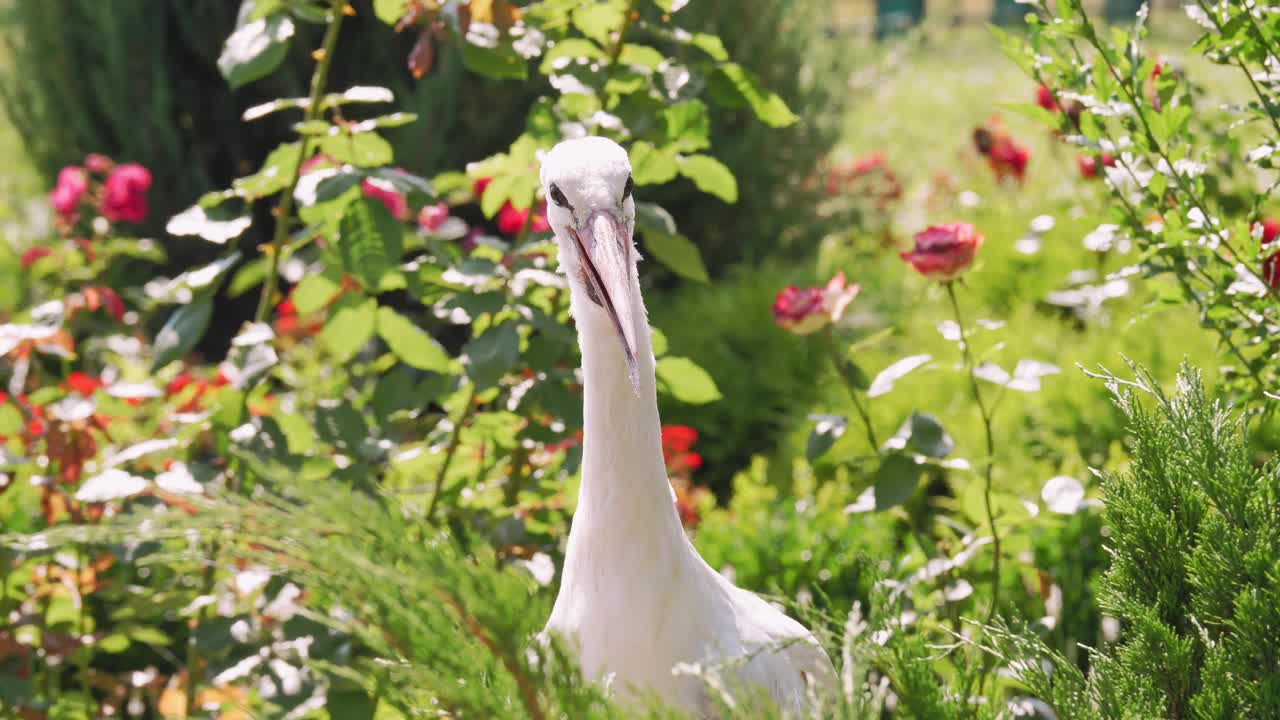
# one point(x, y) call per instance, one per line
point(110, 485)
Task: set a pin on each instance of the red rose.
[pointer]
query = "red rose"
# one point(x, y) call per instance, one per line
point(1271, 265)
point(82, 383)
point(101, 296)
point(30, 257)
point(432, 217)
point(70, 188)
point(804, 311)
point(1005, 156)
point(511, 220)
point(1089, 164)
point(943, 252)
point(1044, 98)
point(124, 197)
point(178, 384)
point(480, 185)
point(678, 438)
point(385, 193)
point(1008, 158)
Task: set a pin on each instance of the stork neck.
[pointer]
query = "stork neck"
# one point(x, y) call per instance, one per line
point(624, 478)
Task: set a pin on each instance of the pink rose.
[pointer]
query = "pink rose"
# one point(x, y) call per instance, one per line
point(943, 252)
point(385, 193)
point(432, 217)
point(804, 311)
point(124, 197)
point(71, 186)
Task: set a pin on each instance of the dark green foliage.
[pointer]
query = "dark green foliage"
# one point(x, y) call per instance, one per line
point(1195, 572)
point(786, 45)
point(138, 80)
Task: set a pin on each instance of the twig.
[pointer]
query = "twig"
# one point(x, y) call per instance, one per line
point(449, 453)
point(853, 393)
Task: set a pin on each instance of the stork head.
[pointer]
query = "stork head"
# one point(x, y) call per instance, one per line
point(587, 182)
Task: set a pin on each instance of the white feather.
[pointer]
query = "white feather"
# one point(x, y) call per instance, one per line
point(636, 599)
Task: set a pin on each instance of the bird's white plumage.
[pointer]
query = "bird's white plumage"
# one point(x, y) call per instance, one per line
point(636, 599)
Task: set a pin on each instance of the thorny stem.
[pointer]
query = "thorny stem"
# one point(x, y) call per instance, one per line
point(991, 450)
point(839, 364)
point(284, 211)
point(452, 450)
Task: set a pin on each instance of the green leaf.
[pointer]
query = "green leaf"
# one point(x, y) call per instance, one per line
point(896, 480)
point(659, 342)
point(492, 354)
point(113, 643)
point(928, 437)
point(366, 149)
point(678, 253)
point(684, 380)
point(640, 56)
point(183, 330)
point(651, 165)
point(149, 635)
point(11, 422)
point(496, 193)
point(624, 82)
point(651, 217)
point(370, 240)
point(598, 19)
point(390, 11)
point(249, 276)
point(264, 8)
point(731, 86)
point(711, 45)
point(217, 225)
point(827, 429)
point(688, 126)
point(570, 48)
point(409, 343)
point(255, 50)
point(350, 327)
point(275, 175)
point(313, 293)
point(339, 424)
point(711, 176)
point(358, 94)
point(499, 63)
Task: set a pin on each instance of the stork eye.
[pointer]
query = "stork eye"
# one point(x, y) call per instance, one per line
point(626, 189)
point(558, 197)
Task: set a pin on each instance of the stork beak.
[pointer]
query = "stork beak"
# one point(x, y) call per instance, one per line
point(604, 245)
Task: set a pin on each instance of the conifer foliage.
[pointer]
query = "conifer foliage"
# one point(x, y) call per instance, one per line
point(1195, 571)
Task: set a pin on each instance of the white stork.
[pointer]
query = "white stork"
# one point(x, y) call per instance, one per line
point(636, 599)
